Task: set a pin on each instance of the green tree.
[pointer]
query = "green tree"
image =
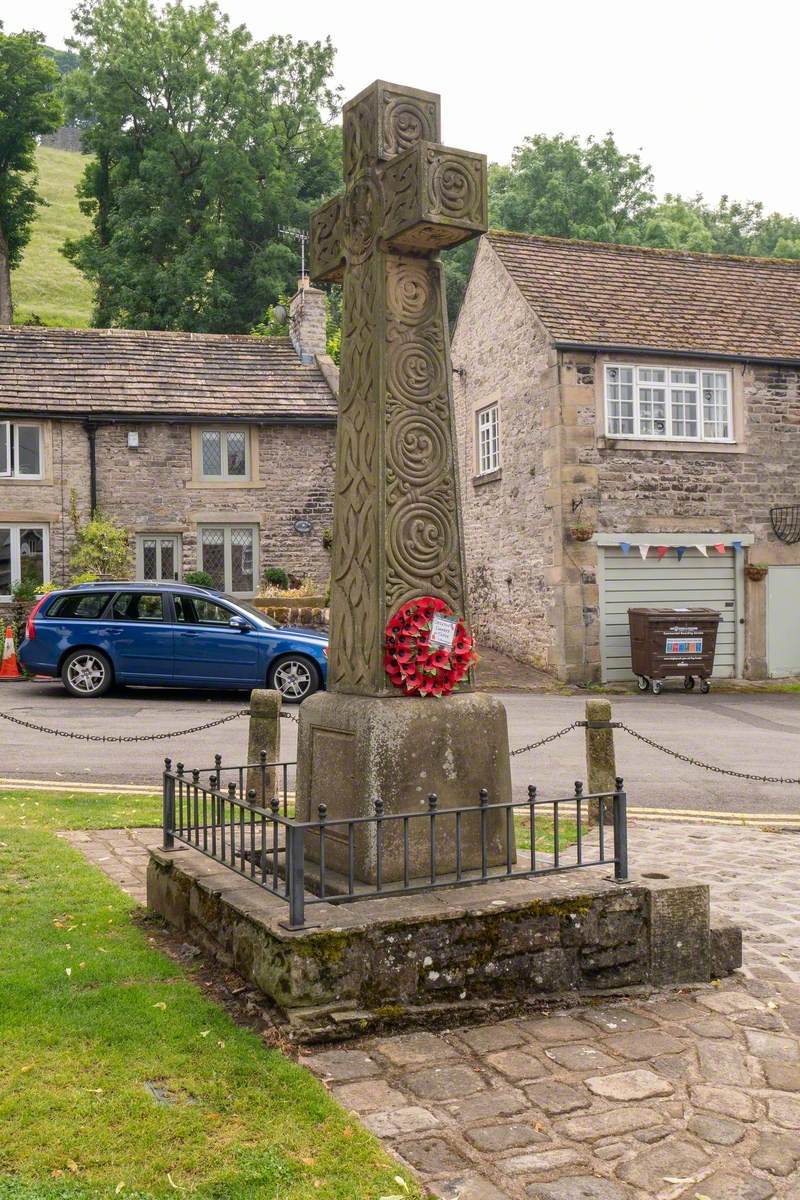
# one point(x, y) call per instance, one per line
point(29, 106)
point(204, 142)
point(729, 227)
point(561, 187)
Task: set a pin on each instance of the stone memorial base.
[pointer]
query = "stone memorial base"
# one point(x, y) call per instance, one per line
point(406, 958)
point(354, 750)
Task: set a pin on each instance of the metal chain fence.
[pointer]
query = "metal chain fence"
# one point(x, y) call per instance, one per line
point(696, 762)
point(287, 716)
point(551, 737)
point(134, 737)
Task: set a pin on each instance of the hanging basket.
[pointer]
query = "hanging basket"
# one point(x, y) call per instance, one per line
point(786, 522)
point(755, 573)
point(581, 533)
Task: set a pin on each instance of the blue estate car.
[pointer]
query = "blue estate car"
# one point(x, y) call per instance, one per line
point(167, 635)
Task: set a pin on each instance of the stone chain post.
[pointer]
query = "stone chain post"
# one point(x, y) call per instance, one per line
point(601, 767)
point(265, 734)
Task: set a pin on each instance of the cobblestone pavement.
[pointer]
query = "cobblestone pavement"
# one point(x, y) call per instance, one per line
point(690, 1096)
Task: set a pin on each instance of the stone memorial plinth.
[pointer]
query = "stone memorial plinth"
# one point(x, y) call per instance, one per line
point(397, 524)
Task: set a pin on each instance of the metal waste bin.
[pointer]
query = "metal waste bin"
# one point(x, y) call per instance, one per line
point(673, 641)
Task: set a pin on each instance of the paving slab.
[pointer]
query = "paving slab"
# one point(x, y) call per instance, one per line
point(715, 1100)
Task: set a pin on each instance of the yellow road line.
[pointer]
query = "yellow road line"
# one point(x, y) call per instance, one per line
point(707, 812)
point(100, 789)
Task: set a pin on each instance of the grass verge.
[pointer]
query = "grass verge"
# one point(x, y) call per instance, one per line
point(119, 1077)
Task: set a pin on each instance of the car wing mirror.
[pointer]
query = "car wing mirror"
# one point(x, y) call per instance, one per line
point(240, 624)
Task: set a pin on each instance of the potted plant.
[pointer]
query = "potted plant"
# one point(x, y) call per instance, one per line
point(581, 531)
point(756, 571)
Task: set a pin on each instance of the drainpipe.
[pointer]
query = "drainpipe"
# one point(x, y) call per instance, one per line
point(91, 432)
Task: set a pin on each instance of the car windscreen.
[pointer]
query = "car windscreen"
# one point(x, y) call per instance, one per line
point(79, 605)
point(251, 608)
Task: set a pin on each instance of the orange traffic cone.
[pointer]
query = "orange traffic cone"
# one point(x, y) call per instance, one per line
point(8, 667)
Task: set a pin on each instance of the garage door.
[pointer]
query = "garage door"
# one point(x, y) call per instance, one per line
point(629, 581)
point(783, 627)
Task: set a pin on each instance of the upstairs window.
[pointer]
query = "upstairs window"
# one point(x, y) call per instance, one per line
point(488, 440)
point(20, 450)
point(225, 454)
point(678, 404)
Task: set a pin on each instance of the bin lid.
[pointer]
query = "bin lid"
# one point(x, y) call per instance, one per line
point(707, 613)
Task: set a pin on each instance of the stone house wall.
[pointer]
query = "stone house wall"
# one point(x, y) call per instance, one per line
point(557, 464)
point(509, 526)
point(152, 490)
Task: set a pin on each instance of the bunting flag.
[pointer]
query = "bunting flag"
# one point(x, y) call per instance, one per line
point(703, 550)
point(720, 547)
point(644, 550)
point(661, 551)
point(625, 547)
point(680, 551)
point(737, 547)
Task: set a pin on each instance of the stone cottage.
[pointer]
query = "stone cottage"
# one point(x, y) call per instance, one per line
point(649, 402)
point(216, 452)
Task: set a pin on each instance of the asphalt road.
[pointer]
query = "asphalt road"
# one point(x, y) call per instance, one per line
point(755, 733)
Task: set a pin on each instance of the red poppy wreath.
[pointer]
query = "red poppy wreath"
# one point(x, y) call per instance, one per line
point(413, 663)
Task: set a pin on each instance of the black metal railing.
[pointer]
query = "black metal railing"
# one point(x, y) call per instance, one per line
point(335, 860)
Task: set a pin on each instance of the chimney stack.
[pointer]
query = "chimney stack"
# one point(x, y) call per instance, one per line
point(307, 320)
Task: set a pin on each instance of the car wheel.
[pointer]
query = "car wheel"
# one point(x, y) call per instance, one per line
point(294, 677)
point(86, 673)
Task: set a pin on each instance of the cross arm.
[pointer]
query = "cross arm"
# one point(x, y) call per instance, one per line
point(434, 197)
point(326, 237)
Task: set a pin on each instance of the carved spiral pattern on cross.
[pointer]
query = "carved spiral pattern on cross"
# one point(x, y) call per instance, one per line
point(362, 217)
point(409, 293)
point(454, 189)
point(415, 372)
point(405, 122)
point(421, 536)
point(418, 449)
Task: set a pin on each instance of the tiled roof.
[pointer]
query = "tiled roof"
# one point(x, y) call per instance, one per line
point(593, 294)
point(121, 372)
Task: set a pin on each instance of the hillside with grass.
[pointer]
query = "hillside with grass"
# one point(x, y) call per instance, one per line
point(45, 284)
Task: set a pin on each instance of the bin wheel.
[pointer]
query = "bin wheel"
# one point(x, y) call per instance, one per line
point(656, 685)
point(688, 682)
point(705, 686)
point(644, 683)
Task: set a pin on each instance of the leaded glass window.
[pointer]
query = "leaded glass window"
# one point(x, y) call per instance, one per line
point(225, 453)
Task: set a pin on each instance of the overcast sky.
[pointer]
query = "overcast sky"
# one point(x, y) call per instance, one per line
point(705, 89)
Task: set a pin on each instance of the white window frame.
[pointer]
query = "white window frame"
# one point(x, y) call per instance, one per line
point(16, 528)
point(11, 429)
point(669, 384)
point(227, 530)
point(487, 425)
point(224, 432)
point(141, 538)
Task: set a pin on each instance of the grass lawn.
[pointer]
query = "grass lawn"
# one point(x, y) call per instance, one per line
point(91, 1013)
point(45, 283)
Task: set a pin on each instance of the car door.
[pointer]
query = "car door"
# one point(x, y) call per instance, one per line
point(140, 637)
point(209, 651)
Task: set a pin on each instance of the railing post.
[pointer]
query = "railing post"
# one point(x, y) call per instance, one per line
point(295, 868)
point(168, 811)
point(620, 803)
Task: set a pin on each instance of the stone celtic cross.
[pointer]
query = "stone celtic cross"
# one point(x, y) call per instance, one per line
point(397, 524)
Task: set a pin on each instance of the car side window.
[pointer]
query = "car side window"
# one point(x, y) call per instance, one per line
point(138, 606)
point(184, 609)
point(84, 606)
point(209, 613)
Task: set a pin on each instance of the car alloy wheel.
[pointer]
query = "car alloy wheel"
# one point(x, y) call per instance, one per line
point(86, 673)
point(293, 679)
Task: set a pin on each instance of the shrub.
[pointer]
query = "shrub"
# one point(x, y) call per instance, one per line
point(276, 577)
point(198, 579)
point(102, 547)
